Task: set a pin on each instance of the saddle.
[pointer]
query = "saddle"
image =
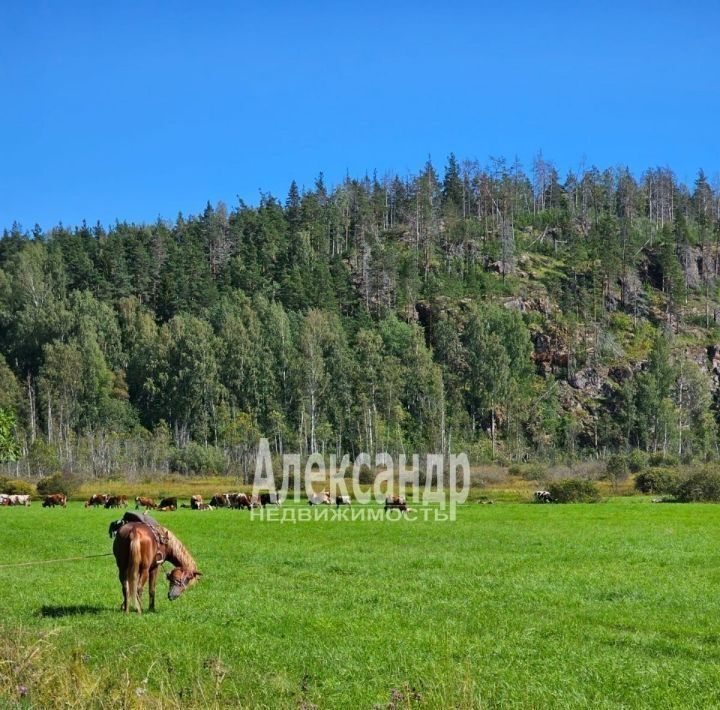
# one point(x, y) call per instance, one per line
point(159, 532)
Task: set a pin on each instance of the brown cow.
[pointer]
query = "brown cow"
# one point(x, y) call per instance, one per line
point(116, 502)
point(240, 500)
point(220, 500)
point(55, 499)
point(96, 499)
point(144, 502)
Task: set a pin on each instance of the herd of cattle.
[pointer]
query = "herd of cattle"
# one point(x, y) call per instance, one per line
point(220, 500)
point(7, 499)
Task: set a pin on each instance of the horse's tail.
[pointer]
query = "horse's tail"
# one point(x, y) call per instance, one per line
point(133, 572)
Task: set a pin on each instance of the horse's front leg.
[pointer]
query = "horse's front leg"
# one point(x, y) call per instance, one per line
point(151, 586)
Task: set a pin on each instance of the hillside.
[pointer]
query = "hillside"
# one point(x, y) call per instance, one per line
point(516, 317)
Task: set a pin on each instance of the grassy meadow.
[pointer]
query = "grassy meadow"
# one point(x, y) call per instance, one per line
point(512, 605)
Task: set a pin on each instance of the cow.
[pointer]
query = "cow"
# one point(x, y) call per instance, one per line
point(240, 500)
point(19, 499)
point(270, 498)
point(319, 498)
point(4, 499)
point(196, 502)
point(55, 499)
point(144, 502)
point(342, 500)
point(168, 503)
point(166, 508)
point(542, 497)
point(96, 499)
point(220, 500)
point(396, 503)
point(116, 502)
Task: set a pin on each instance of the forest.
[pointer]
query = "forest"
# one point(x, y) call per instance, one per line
point(511, 314)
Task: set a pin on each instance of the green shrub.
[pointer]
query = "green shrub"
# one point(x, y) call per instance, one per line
point(16, 486)
point(657, 480)
point(637, 461)
point(59, 483)
point(366, 476)
point(574, 490)
point(617, 468)
point(197, 459)
point(663, 460)
point(699, 486)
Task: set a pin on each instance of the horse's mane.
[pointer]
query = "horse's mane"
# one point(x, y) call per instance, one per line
point(178, 554)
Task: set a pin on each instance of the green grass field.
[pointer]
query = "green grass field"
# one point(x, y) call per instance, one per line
point(513, 605)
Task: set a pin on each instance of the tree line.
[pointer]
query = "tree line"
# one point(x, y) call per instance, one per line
point(513, 315)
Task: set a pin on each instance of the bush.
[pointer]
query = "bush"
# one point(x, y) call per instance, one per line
point(663, 460)
point(366, 476)
point(16, 486)
point(574, 490)
point(657, 480)
point(196, 459)
point(59, 483)
point(617, 468)
point(699, 486)
point(637, 461)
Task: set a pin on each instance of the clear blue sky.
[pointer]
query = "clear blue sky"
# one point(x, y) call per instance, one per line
point(137, 110)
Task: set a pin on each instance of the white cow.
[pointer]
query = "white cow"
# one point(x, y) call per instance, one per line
point(319, 498)
point(16, 499)
point(542, 497)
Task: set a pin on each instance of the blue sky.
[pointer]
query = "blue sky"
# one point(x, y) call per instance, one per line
point(138, 110)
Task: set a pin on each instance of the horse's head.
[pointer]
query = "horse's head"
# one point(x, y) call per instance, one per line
point(180, 579)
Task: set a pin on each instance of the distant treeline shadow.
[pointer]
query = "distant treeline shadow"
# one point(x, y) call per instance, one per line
point(73, 610)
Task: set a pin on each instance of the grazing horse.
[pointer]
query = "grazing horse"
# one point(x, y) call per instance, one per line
point(139, 551)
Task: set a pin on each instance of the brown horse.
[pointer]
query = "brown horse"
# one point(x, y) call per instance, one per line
point(139, 551)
